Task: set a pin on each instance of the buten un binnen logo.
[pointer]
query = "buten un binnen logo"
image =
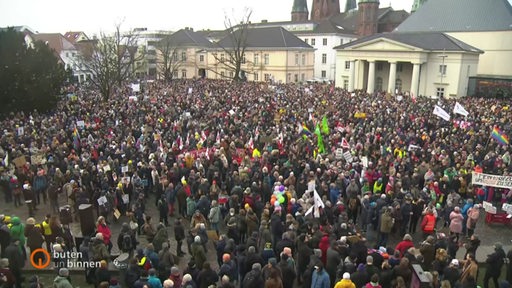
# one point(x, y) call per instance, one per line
point(40, 255)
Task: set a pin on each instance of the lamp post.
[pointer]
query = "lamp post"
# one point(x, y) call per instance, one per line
point(443, 70)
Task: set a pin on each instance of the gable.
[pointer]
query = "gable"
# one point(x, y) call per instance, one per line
point(384, 45)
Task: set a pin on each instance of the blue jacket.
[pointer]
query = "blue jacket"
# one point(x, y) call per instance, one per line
point(154, 282)
point(320, 280)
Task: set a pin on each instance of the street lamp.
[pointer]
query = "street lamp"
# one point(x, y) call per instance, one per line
point(443, 70)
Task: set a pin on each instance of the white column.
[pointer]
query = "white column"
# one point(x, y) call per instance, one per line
point(352, 78)
point(371, 77)
point(415, 79)
point(392, 78)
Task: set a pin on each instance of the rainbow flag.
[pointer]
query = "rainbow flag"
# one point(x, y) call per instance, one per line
point(305, 130)
point(499, 136)
point(76, 139)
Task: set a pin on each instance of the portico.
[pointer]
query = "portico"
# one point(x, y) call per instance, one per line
point(381, 64)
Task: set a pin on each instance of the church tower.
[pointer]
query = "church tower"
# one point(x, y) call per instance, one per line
point(367, 20)
point(324, 9)
point(350, 5)
point(417, 4)
point(300, 11)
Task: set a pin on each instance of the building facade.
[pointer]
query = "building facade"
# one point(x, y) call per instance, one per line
point(426, 64)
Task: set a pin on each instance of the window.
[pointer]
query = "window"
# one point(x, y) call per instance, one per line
point(222, 74)
point(398, 85)
point(183, 73)
point(266, 59)
point(231, 74)
point(313, 41)
point(267, 76)
point(347, 65)
point(440, 92)
point(324, 74)
point(324, 41)
point(175, 73)
point(222, 57)
point(442, 69)
point(302, 77)
point(175, 56)
point(345, 84)
point(256, 59)
point(288, 77)
point(296, 77)
point(296, 59)
point(303, 59)
point(183, 56)
point(324, 58)
point(379, 66)
point(341, 41)
point(399, 67)
point(201, 58)
point(306, 40)
point(243, 59)
point(256, 77)
point(378, 84)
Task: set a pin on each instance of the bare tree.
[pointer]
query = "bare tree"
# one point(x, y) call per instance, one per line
point(233, 46)
point(111, 59)
point(170, 61)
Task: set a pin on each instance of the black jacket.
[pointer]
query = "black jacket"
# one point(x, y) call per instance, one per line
point(495, 261)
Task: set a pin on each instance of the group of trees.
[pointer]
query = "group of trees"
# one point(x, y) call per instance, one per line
point(31, 75)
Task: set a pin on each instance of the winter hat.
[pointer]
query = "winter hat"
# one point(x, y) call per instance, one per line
point(175, 270)
point(197, 239)
point(31, 221)
point(187, 278)
point(64, 272)
point(346, 276)
point(168, 283)
point(455, 262)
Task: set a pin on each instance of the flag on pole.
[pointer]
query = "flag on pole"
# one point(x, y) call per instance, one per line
point(76, 139)
point(179, 142)
point(325, 126)
point(318, 203)
point(250, 143)
point(499, 136)
point(320, 140)
point(304, 130)
point(257, 133)
point(344, 144)
point(6, 159)
point(459, 109)
point(438, 111)
point(217, 139)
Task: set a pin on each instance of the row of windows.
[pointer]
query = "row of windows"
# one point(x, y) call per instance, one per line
point(313, 41)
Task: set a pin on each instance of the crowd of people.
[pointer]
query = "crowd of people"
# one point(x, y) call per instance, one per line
point(289, 185)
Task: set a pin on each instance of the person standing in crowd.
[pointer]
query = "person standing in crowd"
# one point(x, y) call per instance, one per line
point(102, 227)
point(494, 262)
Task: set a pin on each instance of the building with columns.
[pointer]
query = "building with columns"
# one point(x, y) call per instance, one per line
point(428, 64)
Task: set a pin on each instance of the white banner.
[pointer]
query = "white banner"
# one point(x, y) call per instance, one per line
point(438, 111)
point(491, 180)
point(459, 109)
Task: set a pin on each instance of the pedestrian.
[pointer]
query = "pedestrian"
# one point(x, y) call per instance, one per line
point(494, 262)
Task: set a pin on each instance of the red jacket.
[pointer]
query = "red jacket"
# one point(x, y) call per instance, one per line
point(105, 231)
point(403, 246)
point(429, 223)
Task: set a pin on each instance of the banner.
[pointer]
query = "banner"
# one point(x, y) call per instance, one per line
point(438, 111)
point(459, 109)
point(492, 180)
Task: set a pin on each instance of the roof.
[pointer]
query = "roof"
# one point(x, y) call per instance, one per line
point(23, 29)
point(188, 38)
point(74, 36)
point(268, 37)
point(323, 27)
point(460, 15)
point(433, 41)
point(55, 41)
point(348, 21)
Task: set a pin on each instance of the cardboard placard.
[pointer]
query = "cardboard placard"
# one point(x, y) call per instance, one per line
point(117, 214)
point(126, 198)
point(124, 169)
point(19, 162)
point(102, 200)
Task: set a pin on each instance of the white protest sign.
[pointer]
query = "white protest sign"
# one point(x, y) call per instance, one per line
point(339, 154)
point(102, 200)
point(124, 169)
point(20, 131)
point(311, 186)
point(80, 124)
point(364, 160)
point(136, 87)
point(348, 157)
point(190, 89)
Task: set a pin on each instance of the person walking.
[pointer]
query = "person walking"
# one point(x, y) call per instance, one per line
point(494, 262)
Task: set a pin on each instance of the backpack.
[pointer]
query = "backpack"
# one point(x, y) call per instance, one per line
point(127, 244)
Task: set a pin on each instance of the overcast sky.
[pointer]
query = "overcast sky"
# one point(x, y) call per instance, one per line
point(93, 16)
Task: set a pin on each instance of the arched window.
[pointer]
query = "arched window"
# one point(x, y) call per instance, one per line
point(378, 84)
point(398, 84)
